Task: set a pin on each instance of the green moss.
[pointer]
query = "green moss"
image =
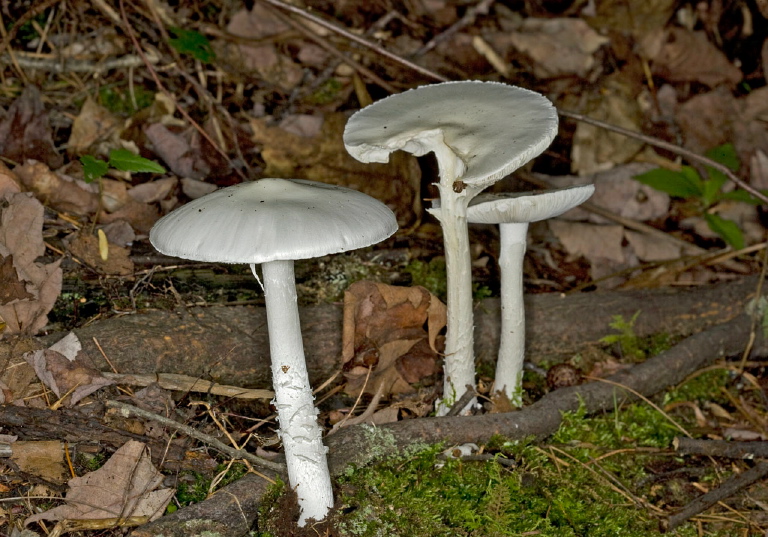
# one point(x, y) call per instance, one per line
point(430, 275)
point(118, 100)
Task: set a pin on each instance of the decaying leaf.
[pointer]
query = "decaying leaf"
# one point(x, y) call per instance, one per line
point(596, 149)
point(558, 47)
point(59, 191)
point(94, 126)
point(176, 152)
point(385, 343)
point(25, 132)
point(62, 368)
point(29, 289)
point(323, 158)
point(686, 56)
point(44, 458)
point(86, 247)
point(127, 485)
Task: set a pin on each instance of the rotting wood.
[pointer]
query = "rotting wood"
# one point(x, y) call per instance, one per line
point(229, 512)
point(229, 345)
point(721, 448)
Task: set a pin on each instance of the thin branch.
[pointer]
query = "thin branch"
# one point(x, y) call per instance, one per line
point(197, 435)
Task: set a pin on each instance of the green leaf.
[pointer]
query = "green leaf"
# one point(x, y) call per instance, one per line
point(725, 155)
point(124, 160)
point(743, 196)
point(727, 229)
point(93, 168)
point(711, 187)
point(193, 43)
point(678, 184)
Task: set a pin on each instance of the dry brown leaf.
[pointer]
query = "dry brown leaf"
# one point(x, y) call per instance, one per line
point(141, 216)
point(177, 152)
point(58, 190)
point(41, 458)
point(93, 126)
point(25, 132)
point(265, 60)
point(558, 47)
point(30, 288)
point(9, 181)
point(324, 158)
point(686, 56)
point(125, 486)
point(154, 191)
point(596, 149)
point(648, 248)
point(63, 369)
point(384, 330)
point(85, 247)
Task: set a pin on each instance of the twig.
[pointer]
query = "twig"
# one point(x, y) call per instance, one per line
point(463, 401)
point(661, 144)
point(355, 38)
point(720, 448)
point(481, 8)
point(172, 381)
point(726, 490)
point(197, 435)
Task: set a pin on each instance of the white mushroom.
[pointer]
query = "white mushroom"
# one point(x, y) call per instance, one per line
point(273, 222)
point(479, 132)
point(513, 212)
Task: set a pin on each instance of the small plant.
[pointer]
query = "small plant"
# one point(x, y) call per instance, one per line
point(626, 339)
point(120, 159)
point(430, 275)
point(192, 43)
point(707, 192)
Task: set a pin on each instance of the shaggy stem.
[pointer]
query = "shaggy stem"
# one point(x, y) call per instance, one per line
point(305, 454)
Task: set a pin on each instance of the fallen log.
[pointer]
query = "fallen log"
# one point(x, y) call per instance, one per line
point(229, 344)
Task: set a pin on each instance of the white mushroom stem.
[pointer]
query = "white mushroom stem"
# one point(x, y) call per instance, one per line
point(459, 359)
point(305, 454)
point(509, 366)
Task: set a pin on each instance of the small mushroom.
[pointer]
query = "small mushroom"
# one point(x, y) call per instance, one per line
point(273, 222)
point(513, 212)
point(479, 132)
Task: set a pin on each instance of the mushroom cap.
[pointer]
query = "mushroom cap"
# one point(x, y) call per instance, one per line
point(273, 219)
point(525, 207)
point(491, 128)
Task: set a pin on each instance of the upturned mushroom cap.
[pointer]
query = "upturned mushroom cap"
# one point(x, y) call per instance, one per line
point(526, 207)
point(491, 128)
point(273, 219)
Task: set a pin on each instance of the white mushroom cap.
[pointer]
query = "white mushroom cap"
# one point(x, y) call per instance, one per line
point(526, 207)
point(273, 219)
point(491, 128)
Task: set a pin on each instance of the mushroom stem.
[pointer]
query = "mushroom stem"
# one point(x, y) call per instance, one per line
point(509, 367)
point(305, 454)
point(459, 367)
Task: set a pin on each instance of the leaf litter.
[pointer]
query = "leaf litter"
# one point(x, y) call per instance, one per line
point(667, 69)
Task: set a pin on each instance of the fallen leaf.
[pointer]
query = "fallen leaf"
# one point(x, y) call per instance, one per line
point(64, 370)
point(324, 158)
point(177, 152)
point(385, 343)
point(59, 191)
point(25, 132)
point(271, 66)
point(687, 56)
point(559, 46)
point(43, 458)
point(93, 130)
point(85, 247)
point(596, 149)
point(125, 486)
point(25, 311)
point(153, 191)
point(648, 248)
point(9, 182)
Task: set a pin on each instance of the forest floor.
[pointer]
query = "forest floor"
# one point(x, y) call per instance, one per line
point(648, 413)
